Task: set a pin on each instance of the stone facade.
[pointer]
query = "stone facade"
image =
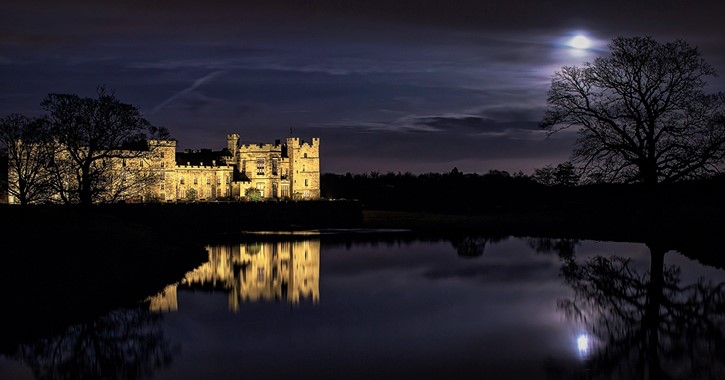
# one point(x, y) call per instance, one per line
point(289, 170)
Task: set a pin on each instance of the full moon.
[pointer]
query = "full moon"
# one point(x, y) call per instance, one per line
point(580, 42)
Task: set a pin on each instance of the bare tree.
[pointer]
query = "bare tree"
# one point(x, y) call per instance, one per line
point(26, 142)
point(643, 113)
point(564, 174)
point(97, 135)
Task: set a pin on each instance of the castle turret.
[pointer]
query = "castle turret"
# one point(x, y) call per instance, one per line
point(232, 144)
point(304, 161)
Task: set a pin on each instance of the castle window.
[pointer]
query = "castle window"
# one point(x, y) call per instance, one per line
point(274, 166)
point(162, 196)
point(218, 181)
point(303, 167)
point(208, 181)
point(306, 183)
point(227, 180)
point(181, 180)
point(140, 163)
point(195, 181)
point(162, 164)
point(163, 175)
point(260, 166)
point(305, 155)
point(162, 186)
point(123, 163)
point(162, 154)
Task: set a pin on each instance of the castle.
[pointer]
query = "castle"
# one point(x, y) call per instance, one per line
point(280, 171)
point(283, 170)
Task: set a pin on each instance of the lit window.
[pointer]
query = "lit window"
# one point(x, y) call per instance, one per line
point(195, 181)
point(260, 166)
point(208, 181)
point(274, 166)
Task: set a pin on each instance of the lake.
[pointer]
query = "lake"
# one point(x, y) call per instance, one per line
point(396, 305)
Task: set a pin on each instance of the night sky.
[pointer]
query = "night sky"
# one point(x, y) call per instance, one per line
point(401, 86)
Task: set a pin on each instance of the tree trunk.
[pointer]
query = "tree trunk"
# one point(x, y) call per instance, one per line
point(85, 193)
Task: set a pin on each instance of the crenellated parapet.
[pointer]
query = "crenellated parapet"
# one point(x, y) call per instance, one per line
point(259, 147)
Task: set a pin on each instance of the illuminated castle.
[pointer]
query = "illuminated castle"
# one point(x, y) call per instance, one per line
point(289, 170)
point(283, 170)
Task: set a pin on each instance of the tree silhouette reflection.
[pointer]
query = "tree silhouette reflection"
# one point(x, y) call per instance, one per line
point(125, 344)
point(471, 246)
point(648, 325)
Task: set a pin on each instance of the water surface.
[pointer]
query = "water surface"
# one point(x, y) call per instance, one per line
point(397, 306)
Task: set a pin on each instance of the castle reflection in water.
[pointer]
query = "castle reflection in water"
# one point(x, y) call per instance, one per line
point(249, 272)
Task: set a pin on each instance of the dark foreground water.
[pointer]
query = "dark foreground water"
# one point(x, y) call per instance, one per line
point(392, 306)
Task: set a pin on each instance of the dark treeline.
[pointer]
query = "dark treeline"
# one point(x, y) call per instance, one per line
point(501, 192)
point(453, 192)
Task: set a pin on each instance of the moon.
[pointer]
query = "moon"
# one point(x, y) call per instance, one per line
point(580, 42)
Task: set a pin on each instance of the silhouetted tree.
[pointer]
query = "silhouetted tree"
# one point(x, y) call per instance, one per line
point(92, 133)
point(564, 174)
point(643, 113)
point(648, 326)
point(26, 142)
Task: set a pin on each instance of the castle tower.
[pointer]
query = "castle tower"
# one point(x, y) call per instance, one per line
point(304, 159)
point(232, 144)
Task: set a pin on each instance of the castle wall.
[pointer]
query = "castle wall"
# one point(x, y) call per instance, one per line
point(266, 167)
point(304, 168)
point(201, 183)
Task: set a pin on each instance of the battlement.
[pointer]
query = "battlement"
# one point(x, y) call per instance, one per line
point(201, 165)
point(257, 147)
point(162, 143)
point(298, 142)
